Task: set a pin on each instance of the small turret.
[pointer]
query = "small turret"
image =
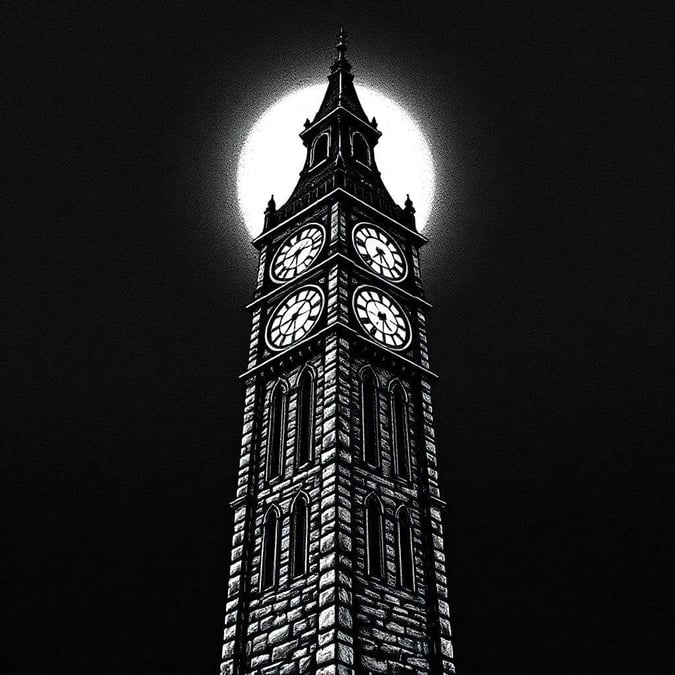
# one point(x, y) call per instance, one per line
point(409, 213)
point(270, 215)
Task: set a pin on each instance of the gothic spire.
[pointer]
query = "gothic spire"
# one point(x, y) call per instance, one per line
point(340, 142)
point(340, 92)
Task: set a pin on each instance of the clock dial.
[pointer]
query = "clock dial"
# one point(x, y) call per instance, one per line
point(298, 252)
point(294, 317)
point(379, 251)
point(381, 317)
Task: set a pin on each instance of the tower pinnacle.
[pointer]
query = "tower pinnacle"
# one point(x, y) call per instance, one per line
point(341, 44)
point(341, 62)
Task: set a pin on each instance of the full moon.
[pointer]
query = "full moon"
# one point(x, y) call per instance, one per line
point(273, 155)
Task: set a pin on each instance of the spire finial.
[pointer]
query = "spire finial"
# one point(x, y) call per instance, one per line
point(341, 62)
point(341, 44)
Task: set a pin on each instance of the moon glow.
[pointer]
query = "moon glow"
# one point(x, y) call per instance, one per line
point(273, 154)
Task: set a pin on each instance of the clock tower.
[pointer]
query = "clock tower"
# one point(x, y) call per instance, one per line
point(338, 565)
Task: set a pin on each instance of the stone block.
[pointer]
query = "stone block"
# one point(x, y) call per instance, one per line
point(260, 660)
point(259, 644)
point(279, 634)
point(375, 665)
point(327, 618)
point(327, 597)
point(325, 654)
point(280, 653)
point(446, 648)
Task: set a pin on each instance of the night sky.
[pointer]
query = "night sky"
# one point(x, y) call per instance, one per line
point(126, 268)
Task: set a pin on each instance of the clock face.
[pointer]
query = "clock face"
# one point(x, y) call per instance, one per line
point(381, 317)
point(379, 251)
point(298, 252)
point(294, 317)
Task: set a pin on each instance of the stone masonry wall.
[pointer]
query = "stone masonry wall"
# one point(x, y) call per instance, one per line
point(335, 619)
point(281, 622)
point(392, 623)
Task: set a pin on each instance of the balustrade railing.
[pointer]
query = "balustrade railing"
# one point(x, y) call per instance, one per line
point(378, 201)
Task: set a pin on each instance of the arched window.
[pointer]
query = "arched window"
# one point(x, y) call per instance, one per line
point(305, 426)
point(319, 149)
point(369, 417)
point(360, 148)
point(399, 431)
point(270, 548)
point(374, 540)
point(276, 432)
point(299, 521)
point(406, 567)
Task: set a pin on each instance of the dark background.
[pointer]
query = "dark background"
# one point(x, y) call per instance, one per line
point(126, 267)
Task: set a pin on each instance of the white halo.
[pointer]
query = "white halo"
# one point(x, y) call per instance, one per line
point(273, 155)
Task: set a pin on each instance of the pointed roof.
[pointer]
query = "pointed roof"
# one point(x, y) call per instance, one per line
point(342, 111)
point(340, 92)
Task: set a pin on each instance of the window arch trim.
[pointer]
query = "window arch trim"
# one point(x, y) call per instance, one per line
point(280, 388)
point(372, 500)
point(366, 146)
point(402, 432)
point(272, 513)
point(313, 161)
point(370, 436)
point(307, 372)
point(405, 558)
point(301, 500)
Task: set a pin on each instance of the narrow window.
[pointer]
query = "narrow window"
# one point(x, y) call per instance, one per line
point(369, 417)
point(374, 543)
point(299, 518)
point(305, 419)
point(320, 149)
point(276, 438)
point(406, 569)
point(360, 149)
point(270, 552)
point(400, 431)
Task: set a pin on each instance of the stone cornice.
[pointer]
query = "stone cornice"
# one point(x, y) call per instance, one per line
point(336, 325)
point(280, 290)
point(417, 236)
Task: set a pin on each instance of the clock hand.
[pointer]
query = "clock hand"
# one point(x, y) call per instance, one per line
point(285, 323)
point(383, 318)
point(302, 249)
point(297, 316)
point(293, 327)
